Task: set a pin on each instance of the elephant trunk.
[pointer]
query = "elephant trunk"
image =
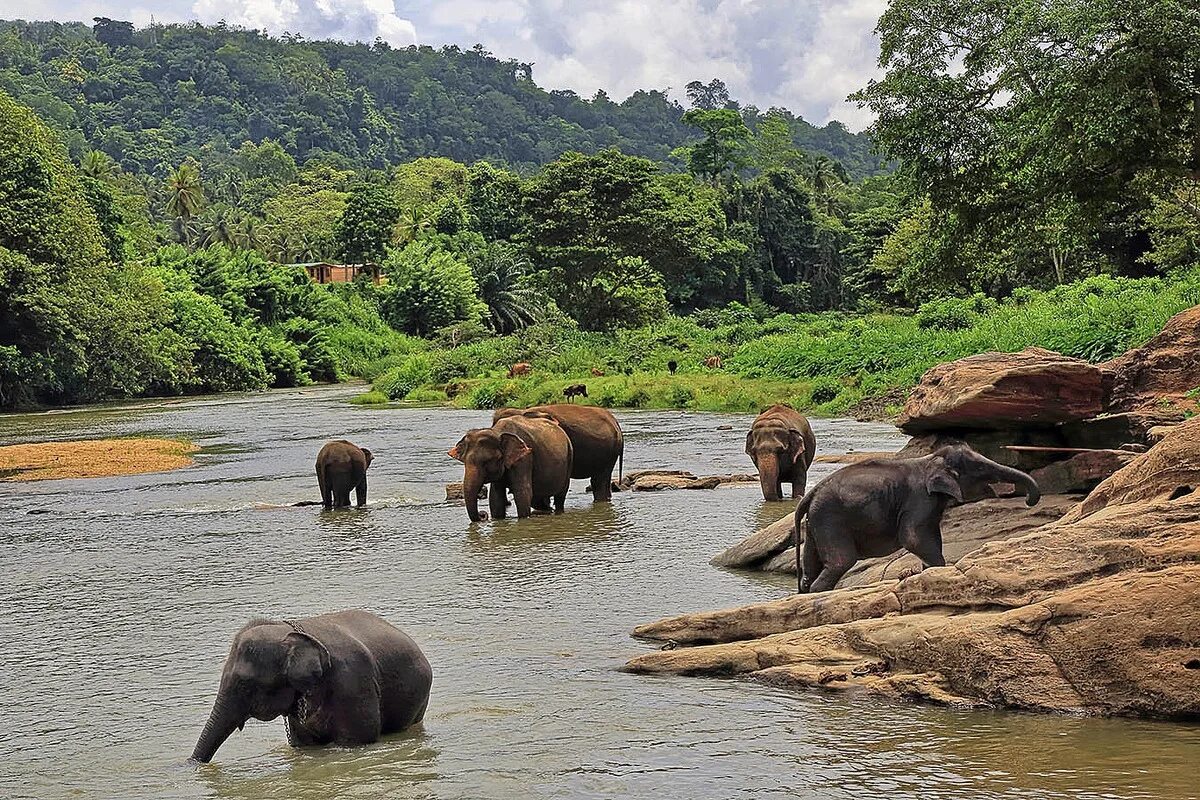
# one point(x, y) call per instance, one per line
point(472, 483)
point(223, 721)
point(768, 475)
point(1026, 483)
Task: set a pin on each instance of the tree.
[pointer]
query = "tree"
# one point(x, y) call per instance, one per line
point(708, 96)
point(771, 145)
point(185, 199)
point(500, 271)
point(428, 288)
point(99, 165)
point(723, 148)
point(493, 198)
point(366, 225)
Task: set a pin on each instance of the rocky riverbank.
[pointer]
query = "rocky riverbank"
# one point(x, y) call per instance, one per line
point(92, 458)
point(1087, 603)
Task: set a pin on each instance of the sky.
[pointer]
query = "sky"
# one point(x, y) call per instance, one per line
point(805, 55)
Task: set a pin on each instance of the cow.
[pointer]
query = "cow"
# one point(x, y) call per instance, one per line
point(520, 369)
point(575, 390)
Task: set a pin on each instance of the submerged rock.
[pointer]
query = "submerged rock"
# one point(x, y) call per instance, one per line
point(649, 480)
point(1098, 612)
point(454, 491)
point(1004, 390)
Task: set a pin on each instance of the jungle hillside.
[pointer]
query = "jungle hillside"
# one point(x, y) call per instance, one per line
point(1032, 177)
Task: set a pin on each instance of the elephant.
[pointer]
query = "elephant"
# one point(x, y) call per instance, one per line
point(575, 390)
point(878, 506)
point(342, 466)
point(596, 438)
point(343, 678)
point(530, 456)
point(781, 445)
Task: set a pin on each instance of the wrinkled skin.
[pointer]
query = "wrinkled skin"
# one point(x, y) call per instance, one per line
point(781, 445)
point(596, 440)
point(876, 507)
point(343, 678)
point(341, 467)
point(530, 456)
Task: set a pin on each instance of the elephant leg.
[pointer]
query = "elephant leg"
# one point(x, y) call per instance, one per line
point(523, 497)
point(602, 486)
point(798, 486)
point(343, 497)
point(809, 565)
point(541, 504)
point(560, 501)
point(924, 542)
point(498, 500)
point(831, 574)
point(837, 556)
point(360, 492)
point(326, 491)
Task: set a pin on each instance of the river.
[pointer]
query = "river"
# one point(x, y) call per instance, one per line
point(118, 604)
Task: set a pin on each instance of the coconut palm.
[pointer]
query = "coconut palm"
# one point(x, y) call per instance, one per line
point(185, 195)
point(98, 164)
point(499, 270)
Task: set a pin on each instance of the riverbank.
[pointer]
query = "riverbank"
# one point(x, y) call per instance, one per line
point(93, 458)
point(828, 364)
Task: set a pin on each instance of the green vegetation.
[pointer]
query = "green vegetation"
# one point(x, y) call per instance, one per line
point(160, 187)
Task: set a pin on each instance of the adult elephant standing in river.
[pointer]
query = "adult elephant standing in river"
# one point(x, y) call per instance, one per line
point(342, 678)
point(596, 440)
point(781, 445)
point(876, 507)
point(531, 456)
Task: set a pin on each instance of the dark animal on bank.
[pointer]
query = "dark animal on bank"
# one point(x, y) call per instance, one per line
point(781, 445)
point(342, 466)
point(531, 456)
point(597, 372)
point(713, 362)
point(672, 366)
point(597, 442)
point(575, 390)
point(344, 678)
point(876, 507)
point(520, 369)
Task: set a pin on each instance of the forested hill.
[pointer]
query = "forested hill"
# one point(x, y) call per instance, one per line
point(154, 96)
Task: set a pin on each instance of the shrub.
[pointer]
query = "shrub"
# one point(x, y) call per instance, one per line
point(680, 396)
point(492, 394)
point(824, 390)
point(412, 373)
point(371, 398)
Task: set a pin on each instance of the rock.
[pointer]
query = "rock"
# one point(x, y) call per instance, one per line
point(1162, 371)
point(1004, 390)
point(661, 480)
point(1081, 472)
point(1110, 431)
point(1097, 613)
point(724, 427)
point(850, 458)
point(454, 491)
point(964, 529)
point(992, 444)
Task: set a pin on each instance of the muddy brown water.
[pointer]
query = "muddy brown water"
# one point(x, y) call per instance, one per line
point(117, 606)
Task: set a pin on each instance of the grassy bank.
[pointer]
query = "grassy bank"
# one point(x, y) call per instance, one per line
point(827, 364)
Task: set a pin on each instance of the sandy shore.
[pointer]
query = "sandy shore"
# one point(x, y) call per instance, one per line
point(93, 458)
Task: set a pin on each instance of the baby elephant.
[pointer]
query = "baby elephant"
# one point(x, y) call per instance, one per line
point(343, 678)
point(575, 390)
point(876, 507)
point(342, 466)
point(781, 444)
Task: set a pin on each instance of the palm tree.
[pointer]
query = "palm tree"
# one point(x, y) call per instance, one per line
point(185, 195)
point(218, 226)
point(98, 164)
point(248, 233)
point(412, 224)
point(823, 177)
point(499, 270)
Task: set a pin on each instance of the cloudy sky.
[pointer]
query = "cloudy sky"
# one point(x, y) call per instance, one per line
point(806, 55)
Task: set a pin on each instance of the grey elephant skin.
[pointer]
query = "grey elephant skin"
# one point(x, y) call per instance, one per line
point(344, 678)
point(342, 467)
point(782, 446)
point(530, 456)
point(597, 442)
point(876, 507)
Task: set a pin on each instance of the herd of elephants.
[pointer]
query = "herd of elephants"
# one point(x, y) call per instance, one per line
point(350, 677)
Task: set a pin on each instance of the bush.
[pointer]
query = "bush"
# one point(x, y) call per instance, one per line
point(414, 372)
point(680, 397)
point(953, 313)
point(492, 394)
point(824, 390)
point(371, 398)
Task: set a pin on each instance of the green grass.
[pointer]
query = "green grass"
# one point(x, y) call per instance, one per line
point(826, 364)
point(371, 398)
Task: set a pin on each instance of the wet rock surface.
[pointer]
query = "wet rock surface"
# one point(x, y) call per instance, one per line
point(1097, 612)
point(664, 480)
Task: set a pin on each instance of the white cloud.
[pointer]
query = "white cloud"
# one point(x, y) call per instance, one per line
point(350, 20)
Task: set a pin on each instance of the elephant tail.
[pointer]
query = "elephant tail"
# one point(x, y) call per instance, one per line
point(802, 506)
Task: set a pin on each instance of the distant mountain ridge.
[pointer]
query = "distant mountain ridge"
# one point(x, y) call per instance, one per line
point(153, 96)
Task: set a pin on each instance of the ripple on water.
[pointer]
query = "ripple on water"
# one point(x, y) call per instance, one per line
point(123, 600)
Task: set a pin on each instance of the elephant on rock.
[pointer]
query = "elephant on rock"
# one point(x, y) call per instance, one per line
point(343, 678)
point(782, 446)
point(342, 466)
point(528, 455)
point(876, 507)
point(596, 439)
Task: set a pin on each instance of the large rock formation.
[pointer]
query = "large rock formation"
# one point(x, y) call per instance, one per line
point(1005, 390)
point(1160, 373)
point(1097, 613)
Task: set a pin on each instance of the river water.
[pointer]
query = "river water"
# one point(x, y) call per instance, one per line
point(117, 608)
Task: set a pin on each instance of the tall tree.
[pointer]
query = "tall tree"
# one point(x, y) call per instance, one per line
point(365, 229)
point(723, 149)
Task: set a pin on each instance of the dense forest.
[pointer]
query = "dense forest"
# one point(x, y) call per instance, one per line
point(158, 186)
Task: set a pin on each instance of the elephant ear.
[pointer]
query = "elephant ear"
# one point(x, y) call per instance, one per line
point(307, 660)
point(750, 442)
point(367, 455)
point(514, 449)
point(796, 441)
point(943, 482)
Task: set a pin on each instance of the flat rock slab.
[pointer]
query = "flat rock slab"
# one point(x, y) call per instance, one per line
point(665, 480)
point(1005, 390)
point(1081, 472)
point(1097, 613)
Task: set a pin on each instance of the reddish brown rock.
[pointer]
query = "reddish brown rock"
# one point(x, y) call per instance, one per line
point(1096, 613)
point(1162, 372)
point(1081, 472)
point(1004, 390)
